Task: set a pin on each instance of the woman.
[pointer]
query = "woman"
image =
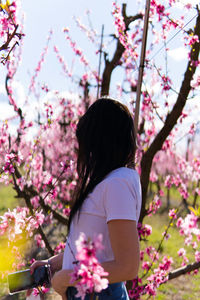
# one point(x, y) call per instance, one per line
point(107, 199)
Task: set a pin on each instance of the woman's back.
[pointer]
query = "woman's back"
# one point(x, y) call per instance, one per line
point(118, 196)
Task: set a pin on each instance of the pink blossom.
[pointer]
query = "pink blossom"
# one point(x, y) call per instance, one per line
point(146, 265)
point(154, 205)
point(88, 270)
point(160, 10)
point(161, 192)
point(59, 248)
point(144, 230)
point(193, 39)
point(166, 235)
point(141, 255)
point(179, 222)
point(172, 213)
point(35, 201)
point(181, 252)
point(40, 218)
point(40, 242)
point(66, 211)
point(197, 256)
point(166, 263)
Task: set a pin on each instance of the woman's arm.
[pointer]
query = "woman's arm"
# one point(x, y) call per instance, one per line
point(125, 246)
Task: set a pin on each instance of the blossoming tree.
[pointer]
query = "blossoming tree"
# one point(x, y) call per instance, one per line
point(42, 171)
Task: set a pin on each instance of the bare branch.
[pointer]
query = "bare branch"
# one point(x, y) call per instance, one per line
point(183, 270)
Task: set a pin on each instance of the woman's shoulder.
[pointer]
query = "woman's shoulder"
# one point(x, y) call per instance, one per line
point(119, 178)
point(122, 173)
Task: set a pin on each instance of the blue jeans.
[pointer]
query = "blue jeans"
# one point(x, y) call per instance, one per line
point(114, 291)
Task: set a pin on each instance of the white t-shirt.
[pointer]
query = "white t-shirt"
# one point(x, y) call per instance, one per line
point(118, 196)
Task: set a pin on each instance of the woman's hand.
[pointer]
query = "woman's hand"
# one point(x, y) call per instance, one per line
point(64, 297)
point(37, 264)
point(60, 282)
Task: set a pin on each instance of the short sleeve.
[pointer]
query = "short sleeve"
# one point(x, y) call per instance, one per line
point(120, 200)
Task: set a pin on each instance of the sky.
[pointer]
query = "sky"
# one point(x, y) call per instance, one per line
point(42, 16)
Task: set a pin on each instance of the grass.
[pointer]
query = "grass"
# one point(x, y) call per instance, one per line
point(7, 198)
point(185, 286)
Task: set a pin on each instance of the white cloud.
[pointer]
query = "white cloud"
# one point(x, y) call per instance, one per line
point(19, 93)
point(181, 3)
point(178, 54)
point(2, 90)
point(7, 111)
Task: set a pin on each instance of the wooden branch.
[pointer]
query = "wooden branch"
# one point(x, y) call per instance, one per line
point(170, 121)
point(41, 232)
point(173, 274)
point(10, 37)
point(58, 216)
point(19, 111)
point(183, 270)
point(114, 62)
point(30, 192)
point(28, 203)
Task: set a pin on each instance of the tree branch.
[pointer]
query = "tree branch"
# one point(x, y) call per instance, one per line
point(28, 203)
point(58, 216)
point(173, 274)
point(183, 270)
point(30, 192)
point(113, 63)
point(170, 121)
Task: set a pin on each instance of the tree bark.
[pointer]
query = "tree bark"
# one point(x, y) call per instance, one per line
point(183, 270)
point(170, 121)
point(114, 62)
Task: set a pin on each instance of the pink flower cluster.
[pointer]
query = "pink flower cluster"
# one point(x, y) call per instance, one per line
point(39, 241)
point(192, 39)
point(40, 63)
point(62, 62)
point(128, 41)
point(6, 23)
point(137, 289)
point(144, 230)
point(166, 83)
point(189, 228)
point(10, 161)
point(182, 253)
point(172, 213)
point(10, 32)
point(59, 248)
point(155, 280)
point(90, 33)
point(120, 26)
point(14, 222)
point(158, 276)
point(154, 205)
point(88, 271)
point(75, 48)
point(178, 182)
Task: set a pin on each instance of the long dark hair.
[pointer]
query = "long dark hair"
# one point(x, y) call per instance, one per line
point(106, 141)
